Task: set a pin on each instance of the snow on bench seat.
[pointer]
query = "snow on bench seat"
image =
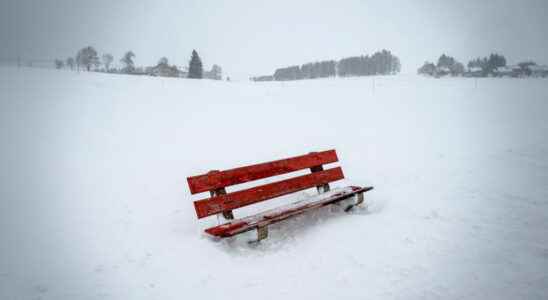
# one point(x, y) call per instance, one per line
point(281, 213)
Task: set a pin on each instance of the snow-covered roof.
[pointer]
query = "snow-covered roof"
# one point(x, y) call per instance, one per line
point(504, 69)
point(538, 68)
point(474, 69)
point(444, 69)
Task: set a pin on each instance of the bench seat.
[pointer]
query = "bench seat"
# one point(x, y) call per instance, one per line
point(275, 215)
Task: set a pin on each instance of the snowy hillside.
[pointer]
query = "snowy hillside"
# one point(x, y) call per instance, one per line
point(94, 201)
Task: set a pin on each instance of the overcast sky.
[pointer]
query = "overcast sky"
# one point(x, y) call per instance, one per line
point(254, 37)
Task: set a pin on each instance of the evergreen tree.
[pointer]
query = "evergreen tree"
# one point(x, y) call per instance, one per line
point(446, 61)
point(476, 63)
point(488, 64)
point(289, 73)
point(195, 68)
point(163, 62)
point(448, 65)
point(216, 72)
point(306, 70)
point(427, 69)
point(457, 69)
point(128, 61)
point(495, 61)
point(107, 60)
point(396, 65)
point(380, 63)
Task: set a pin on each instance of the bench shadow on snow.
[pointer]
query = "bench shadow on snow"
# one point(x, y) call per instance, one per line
point(286, 234)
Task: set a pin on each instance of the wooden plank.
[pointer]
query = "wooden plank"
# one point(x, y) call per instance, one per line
point(266, 218)
point(218, 204)
point(219, 179)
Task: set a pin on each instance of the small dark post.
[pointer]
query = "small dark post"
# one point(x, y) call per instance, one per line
point(262, 233)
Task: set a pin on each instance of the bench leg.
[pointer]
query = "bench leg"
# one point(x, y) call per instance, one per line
point(262, 233)
point(225, 217)
point(359, 200)
point(324, 188)
point(228, 215)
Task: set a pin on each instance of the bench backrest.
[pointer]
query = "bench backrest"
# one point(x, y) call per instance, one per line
point(221, 202)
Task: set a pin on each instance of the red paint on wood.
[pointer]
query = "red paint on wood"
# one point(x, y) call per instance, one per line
point(220, 203)
point(264, 219)
point(222, 230)
point(219, 179)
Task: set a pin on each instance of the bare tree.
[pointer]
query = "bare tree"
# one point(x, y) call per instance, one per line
point(107, 60)
point(87, 57)
point(59, 64)
point(70, 63)
point(216, 72)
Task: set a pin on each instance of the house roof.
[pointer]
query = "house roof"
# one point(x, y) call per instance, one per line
point(538, 68)
point(445, 69)
point(504, 69)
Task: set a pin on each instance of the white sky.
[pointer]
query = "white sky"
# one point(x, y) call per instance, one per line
point(254, 37)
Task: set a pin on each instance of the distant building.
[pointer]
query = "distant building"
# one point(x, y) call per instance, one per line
point(474, 72)
point(508, 71)
point(539, 71)
point(163, 70)
point(139, 71)
point(442, 71)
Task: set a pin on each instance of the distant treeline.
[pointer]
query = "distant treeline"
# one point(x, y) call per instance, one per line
point(306, 71)
point(493, 65)
point(380, 63)
point(88, 59)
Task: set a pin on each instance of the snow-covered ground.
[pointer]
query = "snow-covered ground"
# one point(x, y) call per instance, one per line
point(94, 201)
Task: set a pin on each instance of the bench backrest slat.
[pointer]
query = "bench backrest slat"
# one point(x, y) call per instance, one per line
point(220, 179)
point(220, 203)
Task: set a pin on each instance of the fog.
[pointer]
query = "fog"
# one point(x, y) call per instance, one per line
point(254, 37)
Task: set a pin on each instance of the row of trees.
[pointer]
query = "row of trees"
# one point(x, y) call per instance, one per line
point(380, 63)
point(488, 64)
point(446, 65)
point(493, 65)
point(307, 71)
point(87, 59)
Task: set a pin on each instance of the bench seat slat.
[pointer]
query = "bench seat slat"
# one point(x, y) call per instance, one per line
point(279, 214)
point(220, 179)
point(218, 204)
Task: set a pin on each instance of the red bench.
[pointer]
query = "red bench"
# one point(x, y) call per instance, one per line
point(222, 203)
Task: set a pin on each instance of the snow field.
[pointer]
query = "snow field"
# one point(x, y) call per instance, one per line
point(95, 205)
